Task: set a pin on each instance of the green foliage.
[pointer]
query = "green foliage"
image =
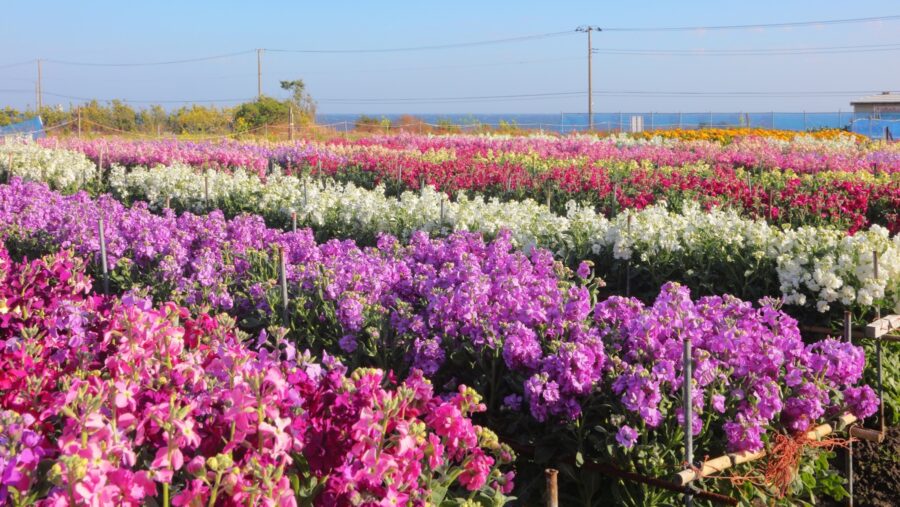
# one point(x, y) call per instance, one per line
point(367, 123)
point(198, 119)
point(9, 115)
point(263, 111)
point(153, 118)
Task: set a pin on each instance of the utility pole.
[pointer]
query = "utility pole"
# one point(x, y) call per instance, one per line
point(590, 52)
point(259, 73)
point(40, 91)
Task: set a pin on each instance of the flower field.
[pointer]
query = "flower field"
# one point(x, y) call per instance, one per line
point(803, 181)
point(417, 320)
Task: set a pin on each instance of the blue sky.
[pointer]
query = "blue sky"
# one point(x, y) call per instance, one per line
point(106, 31)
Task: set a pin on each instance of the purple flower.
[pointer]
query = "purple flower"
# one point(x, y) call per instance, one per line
point(626, 436)
point(348, 343)
point(513, 402)
point(718, 403)
point(584, 270)
point(861, 401)
point(521, 349)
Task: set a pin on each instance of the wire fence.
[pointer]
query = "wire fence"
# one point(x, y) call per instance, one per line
point(876, 126)
point(869, 124)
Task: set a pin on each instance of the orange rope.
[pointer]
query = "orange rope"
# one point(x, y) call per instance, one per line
point(779, 469)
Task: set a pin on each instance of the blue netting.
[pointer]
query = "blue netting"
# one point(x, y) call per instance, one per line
point(33, 128)
point(876, 128)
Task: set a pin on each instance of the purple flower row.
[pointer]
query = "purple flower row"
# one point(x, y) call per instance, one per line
point(463, 297)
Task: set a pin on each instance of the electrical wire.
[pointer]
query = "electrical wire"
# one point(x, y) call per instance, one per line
point(434, 100)
point(148, 64)
point(791, 24)
point(483, 98)
point(17, 64)
point(868, 48)
point(144, 101)
point(428, 48)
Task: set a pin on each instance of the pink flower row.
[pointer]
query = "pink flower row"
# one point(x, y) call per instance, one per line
point(121, 402)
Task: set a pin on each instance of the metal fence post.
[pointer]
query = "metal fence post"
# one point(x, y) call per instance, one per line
point(688, 408)
point(628, 263)
point(878, 354)
point(103, 262)
point(282, 278)
point(848, 336)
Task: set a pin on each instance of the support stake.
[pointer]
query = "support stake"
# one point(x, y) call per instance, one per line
point(552, 487)
point(848, 335)
point(878, 353)
point(103, 262)
point(628, 263)
point(688, 408)
point(282, 278)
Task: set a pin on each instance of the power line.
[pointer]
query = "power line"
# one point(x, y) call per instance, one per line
point(17, 64)
point(791, 24)
point(146, 101)
point(399, 100)
point(428, 48)
point(609, 93)
point(149, 64)
point(868, 48)
point(516, 97)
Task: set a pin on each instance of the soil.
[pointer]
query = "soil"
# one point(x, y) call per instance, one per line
point(877, 471)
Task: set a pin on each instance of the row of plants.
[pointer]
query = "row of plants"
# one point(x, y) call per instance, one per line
point(109, 401)
point(784, 183)
point(800, 154)
point(727, 135)
point(571, 375)
point(710, 250)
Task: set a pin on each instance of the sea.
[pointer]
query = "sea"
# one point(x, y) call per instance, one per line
point(565, 123)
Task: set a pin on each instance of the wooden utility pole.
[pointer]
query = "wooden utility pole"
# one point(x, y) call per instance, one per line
point(259, 73)
point(40, 91)
point(590, 52)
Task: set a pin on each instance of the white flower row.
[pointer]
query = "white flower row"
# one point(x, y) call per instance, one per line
point(61, 169)
point(816, 266)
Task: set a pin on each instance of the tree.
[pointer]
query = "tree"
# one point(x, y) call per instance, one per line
point(198, 119)
point(153, 118)
point(302, 100)
point(263, 111)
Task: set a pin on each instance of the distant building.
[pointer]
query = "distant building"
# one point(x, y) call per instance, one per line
point(886, 102)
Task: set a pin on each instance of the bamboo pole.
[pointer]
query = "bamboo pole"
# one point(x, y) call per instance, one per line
point(727, 461)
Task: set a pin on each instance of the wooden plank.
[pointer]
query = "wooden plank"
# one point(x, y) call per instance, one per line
point(883, 326)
